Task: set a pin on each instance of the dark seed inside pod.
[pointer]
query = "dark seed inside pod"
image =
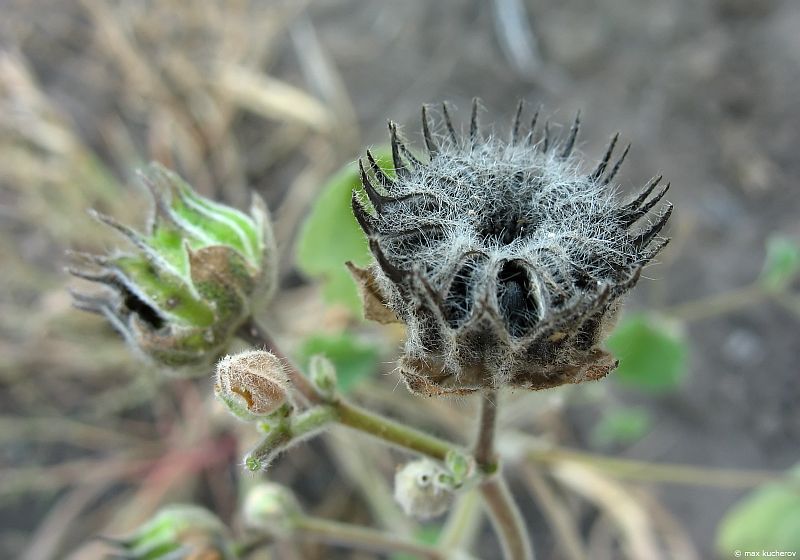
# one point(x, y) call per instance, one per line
point(515, 298)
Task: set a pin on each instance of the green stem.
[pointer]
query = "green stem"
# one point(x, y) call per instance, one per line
point(717, 304)
point(284, 431)
point(391, 431)
point(361, 538)
point(505, 514)
point(348, 414)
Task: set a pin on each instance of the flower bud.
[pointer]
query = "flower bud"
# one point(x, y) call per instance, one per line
point(422, 489)
point(252, 384)
point(193, 279)
point(179, 531)
point(272, 507)
point(323, 375)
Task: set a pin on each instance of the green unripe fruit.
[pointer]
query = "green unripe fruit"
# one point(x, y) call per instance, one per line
point(193, 279)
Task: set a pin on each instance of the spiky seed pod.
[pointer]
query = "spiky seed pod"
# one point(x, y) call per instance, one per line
point(178, 531)
point(194, 276)
point(251, 384)
point(506, 261)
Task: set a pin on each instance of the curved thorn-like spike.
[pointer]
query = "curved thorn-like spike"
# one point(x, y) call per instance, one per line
point(642, 196)
point(101, 277)
point(645, 237)
point(546, 142)
point(132, 235)
point(92, 304)
point(615, 169)
point(448, 122)
point(473, 122)
point(410, 157)
point(399, 165)
point(385, 181)
point(517, 122)
point(632, 217)
point(601, 168)
point(623, 286)
point(534, 120)
point(433, 148)
point(573, 135)
point(395, 274)
point(91, 258)
point(376, 198)
point(646, 257)
point(366, 221)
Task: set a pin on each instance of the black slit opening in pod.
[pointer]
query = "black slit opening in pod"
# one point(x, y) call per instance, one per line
point(516, 298)
point(136, 305)
point(460, 299)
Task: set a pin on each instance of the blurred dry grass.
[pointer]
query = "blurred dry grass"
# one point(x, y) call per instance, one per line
point(238, 95)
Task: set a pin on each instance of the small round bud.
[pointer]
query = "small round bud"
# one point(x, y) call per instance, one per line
point(323, 375)
point(251, 384)
point(423, 489)
point(271, 507)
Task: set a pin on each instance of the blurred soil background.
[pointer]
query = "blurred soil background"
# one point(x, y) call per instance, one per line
point(276, 96)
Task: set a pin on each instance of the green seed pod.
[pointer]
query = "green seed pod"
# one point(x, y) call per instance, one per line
point(178, 531)
point(193, 279)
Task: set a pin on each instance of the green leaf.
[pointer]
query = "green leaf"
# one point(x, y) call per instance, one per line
point(354, 360)
point(623, 426)
point(782, 263)
point(652, 353)
point(766, 519)
point(330, 236)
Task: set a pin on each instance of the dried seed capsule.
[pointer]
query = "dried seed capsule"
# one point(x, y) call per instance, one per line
point(251, 384)
point(506, 262)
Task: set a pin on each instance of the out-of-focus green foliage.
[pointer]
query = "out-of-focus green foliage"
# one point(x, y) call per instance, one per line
point(354, 360)
point(782, 263)
point(622, 425)
point(331, 236)
point(766, 519)
point(652, 353)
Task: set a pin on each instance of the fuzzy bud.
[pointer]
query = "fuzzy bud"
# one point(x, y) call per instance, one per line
point(423, 489)
point(178, 531)
point(323, 375)
point(252, 384)
point(272, 507)
point(506, 262)
point(193, 278)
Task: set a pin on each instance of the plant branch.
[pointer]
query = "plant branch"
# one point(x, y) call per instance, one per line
point(504, 512)
point(484, 452)
point(361, 538)
point(348, 414)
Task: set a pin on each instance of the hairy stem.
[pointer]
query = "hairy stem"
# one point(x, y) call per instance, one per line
point(361, 538)
point(391, 431)
point(348, 414)
point(504, 512)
